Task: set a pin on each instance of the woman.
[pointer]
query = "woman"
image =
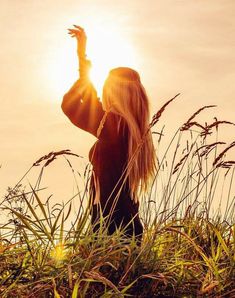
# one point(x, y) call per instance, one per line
point(123, 158)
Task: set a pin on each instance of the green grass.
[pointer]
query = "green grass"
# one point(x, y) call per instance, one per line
point(188, 247)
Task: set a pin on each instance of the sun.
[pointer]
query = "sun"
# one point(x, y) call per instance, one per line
point(108, 46)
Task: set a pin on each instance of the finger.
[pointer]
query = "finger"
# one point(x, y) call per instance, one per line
point(72, 34)
point(75, 34)
point(79, 27)
point(74, 30)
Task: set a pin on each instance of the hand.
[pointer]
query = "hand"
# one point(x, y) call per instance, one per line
point(80, 35)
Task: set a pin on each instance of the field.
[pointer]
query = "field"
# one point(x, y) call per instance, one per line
point(188, 247)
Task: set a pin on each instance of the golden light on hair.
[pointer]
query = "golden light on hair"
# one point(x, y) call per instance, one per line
point(124, 95)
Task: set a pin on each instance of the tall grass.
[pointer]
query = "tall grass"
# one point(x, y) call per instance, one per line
point(188, 246)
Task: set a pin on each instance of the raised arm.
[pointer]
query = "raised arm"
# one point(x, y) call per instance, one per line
point(80, 104)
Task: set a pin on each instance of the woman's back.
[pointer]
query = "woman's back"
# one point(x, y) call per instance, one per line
point(109, 157)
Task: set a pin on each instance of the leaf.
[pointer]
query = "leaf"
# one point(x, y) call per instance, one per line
point(123, 291)
point(34, 213)
point(62, 228)
point(222, 242)
point(26, 221)
point(69, 210)
point(40, 205)
point(56, 221)
point(56, 294)
point(75, 290)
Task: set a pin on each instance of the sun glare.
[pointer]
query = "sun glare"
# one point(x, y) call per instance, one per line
point(107, 47)
point(58, 254)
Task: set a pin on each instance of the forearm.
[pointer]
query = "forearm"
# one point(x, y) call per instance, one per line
point(79, 89)
point(84, 67)
point(84, 64)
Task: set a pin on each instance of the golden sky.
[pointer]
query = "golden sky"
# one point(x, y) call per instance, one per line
point(185, 46)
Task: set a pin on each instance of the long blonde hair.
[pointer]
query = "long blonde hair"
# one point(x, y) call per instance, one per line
point(124, 95)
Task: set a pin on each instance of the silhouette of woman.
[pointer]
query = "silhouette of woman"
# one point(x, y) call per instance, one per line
point(122, 168)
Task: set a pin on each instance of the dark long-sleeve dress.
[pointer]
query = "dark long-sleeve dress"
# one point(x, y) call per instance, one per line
point(108, 187)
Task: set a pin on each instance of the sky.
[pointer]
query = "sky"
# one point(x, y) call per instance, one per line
point(178, 46)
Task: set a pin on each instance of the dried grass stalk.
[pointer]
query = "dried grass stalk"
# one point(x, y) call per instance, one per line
point(207, 148)
point(176, 168)
point(186, 124)
point(157, 116)
point(52, 156)
point(223, 153)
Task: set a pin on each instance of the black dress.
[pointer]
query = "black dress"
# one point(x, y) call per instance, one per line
point(109, 190)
